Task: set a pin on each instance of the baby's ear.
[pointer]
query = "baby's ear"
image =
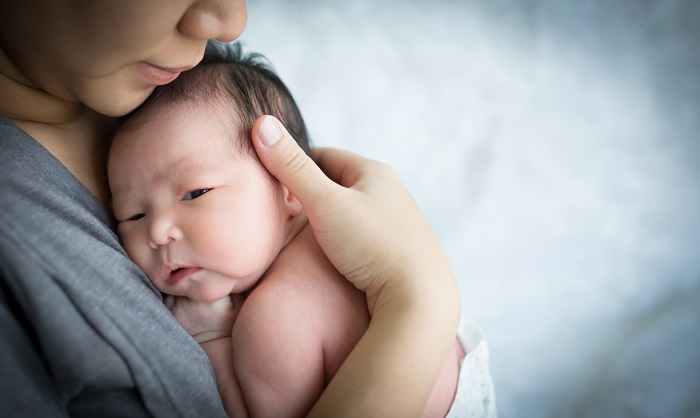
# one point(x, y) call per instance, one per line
point(291, 203)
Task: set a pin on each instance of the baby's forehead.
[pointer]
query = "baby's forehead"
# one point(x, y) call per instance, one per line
point(151, 145)
point(216, 115)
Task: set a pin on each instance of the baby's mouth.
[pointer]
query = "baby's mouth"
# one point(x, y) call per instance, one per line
point(179, 274)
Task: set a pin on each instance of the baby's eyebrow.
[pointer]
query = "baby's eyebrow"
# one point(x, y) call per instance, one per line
point(184, 166)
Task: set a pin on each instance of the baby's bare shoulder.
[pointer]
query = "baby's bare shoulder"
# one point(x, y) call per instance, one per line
point(283, 300)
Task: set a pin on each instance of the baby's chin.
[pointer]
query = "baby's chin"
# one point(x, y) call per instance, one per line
point(201, 293)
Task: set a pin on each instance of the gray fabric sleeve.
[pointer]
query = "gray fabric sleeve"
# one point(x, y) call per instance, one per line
point(25, 387)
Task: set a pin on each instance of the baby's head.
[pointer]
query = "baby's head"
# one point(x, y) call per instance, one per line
point(197, 211)
point(240, 87)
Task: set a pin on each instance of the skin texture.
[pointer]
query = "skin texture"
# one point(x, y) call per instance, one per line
point(53, 56)
point(97, 50)
point(187, 203)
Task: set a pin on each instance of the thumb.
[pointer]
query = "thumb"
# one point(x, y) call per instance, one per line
point(282, 157)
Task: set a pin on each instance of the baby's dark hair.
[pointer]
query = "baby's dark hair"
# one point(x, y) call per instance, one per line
point(244, 81)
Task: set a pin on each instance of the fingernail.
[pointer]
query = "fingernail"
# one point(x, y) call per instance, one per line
point(270, 132)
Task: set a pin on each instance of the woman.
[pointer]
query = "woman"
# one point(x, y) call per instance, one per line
point(78, 318)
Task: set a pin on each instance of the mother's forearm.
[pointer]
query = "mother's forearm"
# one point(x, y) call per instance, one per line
point(393, 368)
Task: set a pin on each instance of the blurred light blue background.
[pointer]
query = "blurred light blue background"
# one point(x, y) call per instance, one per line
point(554, 146)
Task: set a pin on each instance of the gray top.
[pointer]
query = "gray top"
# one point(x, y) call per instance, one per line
point(83, 332)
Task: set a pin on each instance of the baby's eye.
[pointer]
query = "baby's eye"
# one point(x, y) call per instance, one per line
point(134, 218)
point(194, 194)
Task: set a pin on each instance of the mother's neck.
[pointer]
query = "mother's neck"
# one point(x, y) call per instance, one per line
point(77, 136)
point(21, 101)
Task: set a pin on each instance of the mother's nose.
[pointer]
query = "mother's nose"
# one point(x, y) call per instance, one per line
point(223, 20)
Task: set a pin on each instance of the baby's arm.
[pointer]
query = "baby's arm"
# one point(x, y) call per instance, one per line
point(210, 324)
point(220, 353)
point(278, 355)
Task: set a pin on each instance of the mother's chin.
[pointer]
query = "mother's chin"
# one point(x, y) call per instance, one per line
point(115, 97)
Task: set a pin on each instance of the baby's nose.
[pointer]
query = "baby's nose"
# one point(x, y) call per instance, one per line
point(163, 230)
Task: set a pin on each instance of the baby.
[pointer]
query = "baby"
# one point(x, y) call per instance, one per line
point(207, 223)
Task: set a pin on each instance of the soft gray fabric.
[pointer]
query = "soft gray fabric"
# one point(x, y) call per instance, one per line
point(83, 332)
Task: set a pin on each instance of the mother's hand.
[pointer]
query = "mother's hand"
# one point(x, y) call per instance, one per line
point(372, 230)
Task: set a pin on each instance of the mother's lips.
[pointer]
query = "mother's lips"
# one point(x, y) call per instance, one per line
point(158, 75)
